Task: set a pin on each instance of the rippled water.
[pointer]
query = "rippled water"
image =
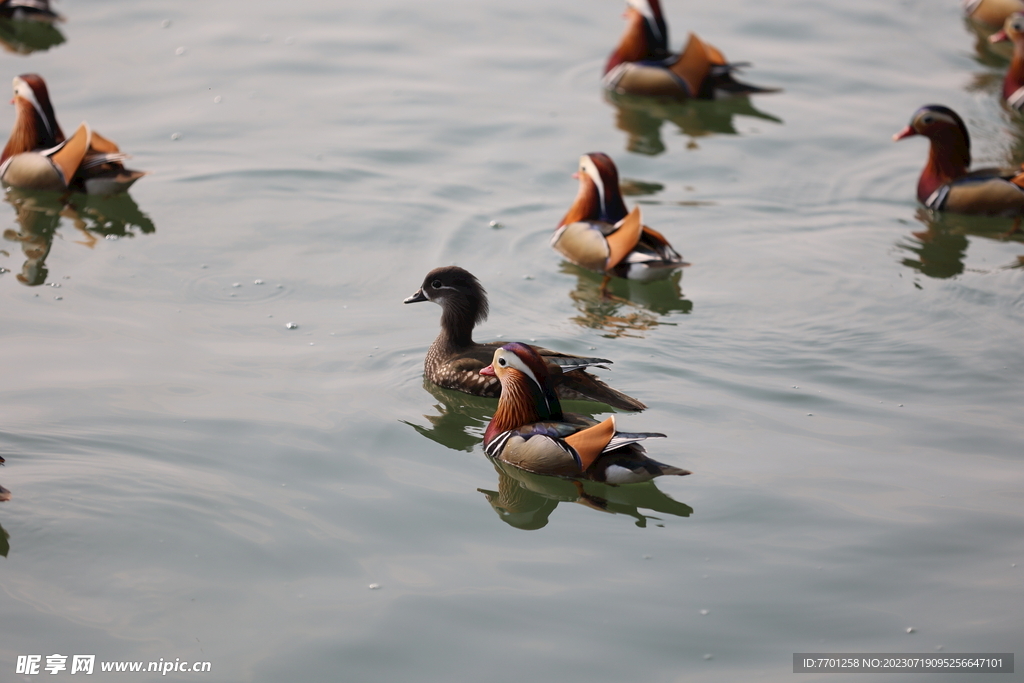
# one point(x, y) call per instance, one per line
point(193, 479)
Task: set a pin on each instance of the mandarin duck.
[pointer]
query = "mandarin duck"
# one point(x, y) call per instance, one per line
point(598, 234)
point(28, 10)
point(946, 184)
point(529, 430)
point(1013, 83)
point(38, 157)
point(454, 360)
point(992, 12)
point(4, 493)
point(643, 65)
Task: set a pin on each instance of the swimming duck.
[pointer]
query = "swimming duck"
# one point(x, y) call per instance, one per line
point(945, 183)
point(992, 12)
point(454, 360)
point(28, 10)
point(37, 156)
point(530, 432)
point(597, 233)
point(1013, 83)
point(643, 65)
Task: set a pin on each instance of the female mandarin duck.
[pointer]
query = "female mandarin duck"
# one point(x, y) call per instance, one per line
point(454, 360)
point(642, 64)
point(598, 234)
point(38, 157)
point(992, 12)
point(945, 183)
point(1013, 84)
point(530, 432)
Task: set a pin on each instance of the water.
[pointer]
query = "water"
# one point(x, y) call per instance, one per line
point(192, 479)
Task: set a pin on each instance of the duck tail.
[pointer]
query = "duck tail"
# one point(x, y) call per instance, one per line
point(583, 385)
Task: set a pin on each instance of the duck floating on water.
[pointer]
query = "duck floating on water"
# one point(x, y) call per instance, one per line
point(38, 156)
point(597, 232)
point(643, 65)
point(454, 360)
point(992, 12)
point(29, 10)
point(529, 430)
point(1013, 83)
point(946, 184)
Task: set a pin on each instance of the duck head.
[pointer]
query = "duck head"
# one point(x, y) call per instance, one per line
point(1013, 30)
point(35, 124)
point(527, 392)
point(599, 196)
point(646, 35)
point(950, 153)
point(460, 295)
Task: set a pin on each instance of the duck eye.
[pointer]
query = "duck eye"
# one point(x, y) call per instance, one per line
point(502, 362)
point(927, 120)
point(436, 284)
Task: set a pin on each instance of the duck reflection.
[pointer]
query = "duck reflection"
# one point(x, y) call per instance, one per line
point(641, 118)
point(526, 500)
point(26, 26)
point(939, 251)
point(39, 215)
point(462, 418)
point(624, 308)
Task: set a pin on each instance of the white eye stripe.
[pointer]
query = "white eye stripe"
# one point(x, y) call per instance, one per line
point(590, 168)
point(23, 89)
point(516, 363)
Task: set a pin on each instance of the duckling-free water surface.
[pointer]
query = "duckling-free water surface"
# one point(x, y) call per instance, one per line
point(193, 480)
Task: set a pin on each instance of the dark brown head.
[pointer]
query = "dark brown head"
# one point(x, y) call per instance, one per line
point(950, 154)
point(461, 297)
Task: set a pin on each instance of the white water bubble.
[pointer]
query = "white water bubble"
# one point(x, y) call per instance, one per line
point(292, 326)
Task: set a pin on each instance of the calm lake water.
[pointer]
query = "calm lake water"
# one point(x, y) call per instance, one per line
point(194, 480)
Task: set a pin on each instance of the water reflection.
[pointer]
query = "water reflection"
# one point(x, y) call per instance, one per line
point(25, 36)
point(641, 118)
point(939, 251)
point(39, 214)
point(624, 308)
point(526, 500)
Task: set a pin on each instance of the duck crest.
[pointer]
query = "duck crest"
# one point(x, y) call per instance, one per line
point(35, 124)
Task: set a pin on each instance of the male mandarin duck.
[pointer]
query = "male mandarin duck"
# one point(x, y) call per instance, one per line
point(992, 12)
point(38, 157)
point(598, 234)
point(454, 360)
point(530, 432)
point(28, 10)
point(1013, 84)
point(642, 64)
point(946, 184)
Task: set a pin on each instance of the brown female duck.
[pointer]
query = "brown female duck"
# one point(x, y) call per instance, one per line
point(642, 64)
point(530, 432)
point(454, 360)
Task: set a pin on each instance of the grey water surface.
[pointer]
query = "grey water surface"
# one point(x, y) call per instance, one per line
point(192, 478)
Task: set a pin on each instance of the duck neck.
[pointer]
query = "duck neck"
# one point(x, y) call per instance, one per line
point(588, 205)
point(458, 317)
point(633, 46)
point(521, 403)
point(948, 159)
point(1015, 74)
point(25, 136)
